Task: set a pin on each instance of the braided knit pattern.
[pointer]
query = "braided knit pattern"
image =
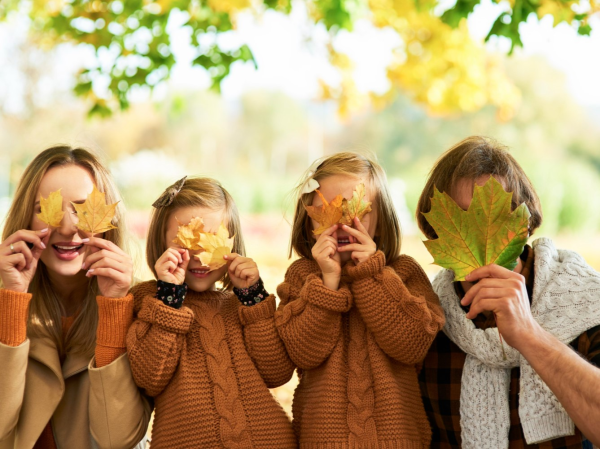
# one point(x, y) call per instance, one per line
point(232, 425)
point(360, 386)
point(357, 349)
point(194, 360)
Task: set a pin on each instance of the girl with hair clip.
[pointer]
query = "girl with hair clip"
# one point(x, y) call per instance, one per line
point(208, 360)
point(63, 303)
point(356, 318)
point(475, 395)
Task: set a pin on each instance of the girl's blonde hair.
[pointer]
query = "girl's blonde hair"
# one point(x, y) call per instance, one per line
point(46, 309)
point(387, 232)
point(196, 192)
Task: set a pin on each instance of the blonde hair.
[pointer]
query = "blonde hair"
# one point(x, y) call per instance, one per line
point(387, 232)
point(472, 158)
point(46, 309)
point(196, 192)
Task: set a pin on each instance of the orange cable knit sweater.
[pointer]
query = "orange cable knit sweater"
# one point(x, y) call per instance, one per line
point(208, 365)
point(356, 350)
point(114, 318)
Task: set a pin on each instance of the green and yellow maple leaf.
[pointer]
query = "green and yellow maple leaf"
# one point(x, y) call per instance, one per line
point(488, 232)
point(94, 214)
point(355, 207)
point(51, 209)
point(215, 246)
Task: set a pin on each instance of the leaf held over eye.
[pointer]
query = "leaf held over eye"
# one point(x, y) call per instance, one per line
point(215, 247)
point(94, 214)
point(51, 213)
point(188, 236)
point(356, 207)
point(327, 214)
point(488, 232)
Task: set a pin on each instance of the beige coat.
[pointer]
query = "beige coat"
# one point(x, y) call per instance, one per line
point(89, 407)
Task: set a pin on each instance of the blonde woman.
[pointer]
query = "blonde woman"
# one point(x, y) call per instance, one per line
point(64, 313)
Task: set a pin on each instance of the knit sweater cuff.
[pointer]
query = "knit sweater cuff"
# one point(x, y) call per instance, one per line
point(153, 311)
point(262, 311)
point(115, 315)
point(318, 294)
point(14, 310)
point(369, 268)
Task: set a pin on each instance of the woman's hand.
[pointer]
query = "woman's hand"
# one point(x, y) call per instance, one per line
point(325, 253)
point(112, 267)
point(243, 271)
point(365, 247)
point(172, 265)
point(18, 261)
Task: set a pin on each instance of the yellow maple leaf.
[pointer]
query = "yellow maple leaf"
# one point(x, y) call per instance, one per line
point(356, 206)
point(327, 214)
point(94, 214)
point(188, 236)
point(51, 213)
point(215, 247)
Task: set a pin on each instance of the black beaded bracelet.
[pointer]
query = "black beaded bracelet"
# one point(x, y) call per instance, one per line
point(251, 295)
point(171, 295)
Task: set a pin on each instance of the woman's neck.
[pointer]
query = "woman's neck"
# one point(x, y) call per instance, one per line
point(71, 290)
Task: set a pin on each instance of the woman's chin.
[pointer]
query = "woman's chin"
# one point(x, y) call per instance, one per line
point(65, 268)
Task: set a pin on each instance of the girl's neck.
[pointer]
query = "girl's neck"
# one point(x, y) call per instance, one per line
point(71, 290)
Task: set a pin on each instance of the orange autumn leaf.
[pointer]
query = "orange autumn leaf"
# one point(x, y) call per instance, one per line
point(94, 214)
point(327, 214)
point(355, 207)
point(51, 213)
point(215, 246)
point(188, 236)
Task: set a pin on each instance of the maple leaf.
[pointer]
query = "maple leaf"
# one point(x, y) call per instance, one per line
point(51, 213)
point(356, 206)
point(215, 247)
point(488, 232)
point(94, 214)
point(188, 236)
point(327, 214)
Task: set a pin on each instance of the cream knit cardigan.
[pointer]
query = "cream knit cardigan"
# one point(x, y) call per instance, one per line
point(566, 303)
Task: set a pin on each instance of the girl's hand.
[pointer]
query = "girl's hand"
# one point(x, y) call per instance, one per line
point(17, 261)
point(110, 264)
point(325, 253)
point(365, 247)
point(172, 265)
point(243, 271)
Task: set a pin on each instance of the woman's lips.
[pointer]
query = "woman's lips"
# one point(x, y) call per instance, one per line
point(199, 273)
point(67, 251)
point(345, 240)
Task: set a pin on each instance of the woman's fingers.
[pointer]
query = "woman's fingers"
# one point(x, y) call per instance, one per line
point(34, 237)
point(97, 242)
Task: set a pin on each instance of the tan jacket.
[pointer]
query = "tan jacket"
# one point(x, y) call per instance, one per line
point(89, 407)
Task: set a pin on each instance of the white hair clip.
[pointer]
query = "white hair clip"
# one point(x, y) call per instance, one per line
point(310, 186)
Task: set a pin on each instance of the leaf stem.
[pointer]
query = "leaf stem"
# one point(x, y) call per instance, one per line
point(501, 342)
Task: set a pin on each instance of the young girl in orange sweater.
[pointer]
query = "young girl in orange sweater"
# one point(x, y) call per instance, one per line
point(207, 359)
point(356, 318)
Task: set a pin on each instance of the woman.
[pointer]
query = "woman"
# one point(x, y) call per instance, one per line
point(63, 303)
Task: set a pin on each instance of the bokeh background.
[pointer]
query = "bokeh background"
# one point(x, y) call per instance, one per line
point(403, 81)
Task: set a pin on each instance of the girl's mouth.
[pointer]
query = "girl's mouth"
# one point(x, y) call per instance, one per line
point(199, 273)
point(346, 240)
point(66, 251)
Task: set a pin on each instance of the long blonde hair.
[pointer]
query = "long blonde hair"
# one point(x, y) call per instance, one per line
point(387, 232)
point(196, 192)
point(46, 309)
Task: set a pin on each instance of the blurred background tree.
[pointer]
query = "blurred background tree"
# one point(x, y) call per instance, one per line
point(437, 62)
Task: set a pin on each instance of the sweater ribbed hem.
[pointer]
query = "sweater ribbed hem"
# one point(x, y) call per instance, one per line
point(395, 444)
point(547, 427)
point(115, 315)
point(319, 295)
point(369, 268)
point(14, 309)
point(261, 311)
